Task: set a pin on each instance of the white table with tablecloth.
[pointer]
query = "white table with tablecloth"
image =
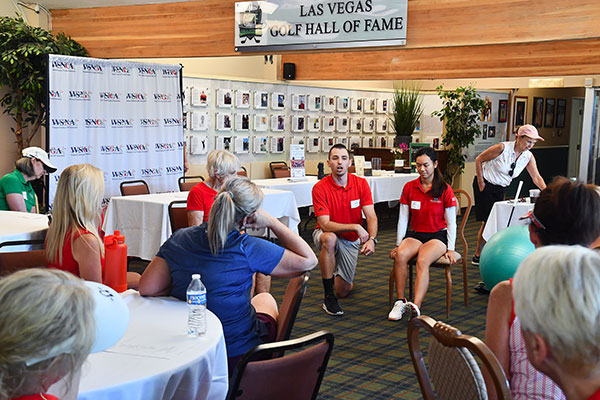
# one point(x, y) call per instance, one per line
point(144, 219)
point(498, 218)
point(388, 187)
point(21, 226)
point(302, 189)
point(156, 359)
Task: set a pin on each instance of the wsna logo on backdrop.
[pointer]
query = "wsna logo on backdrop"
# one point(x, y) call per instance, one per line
point(170, 73)
point(121, 123)
point(137, 148)
point(111, 149)
point(164, 146)
point(55, 94)
point(92, 68)
point(63, 66)
point(122, 174)
point(145, 71)
point(80, 150)
point(174, 170)
point(180, 145)
point(171, 122)
point(162, 97)
point(59, 123)
point(149, 122)
point(120, 70)
point(135, 97)
point(148, 172)
point(109, 96)
point(95, 123)
point(58, 151)
point(80, 95)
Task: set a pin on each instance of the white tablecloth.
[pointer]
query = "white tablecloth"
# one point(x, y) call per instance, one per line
point(499, 217)
point(302, 190)
point(388, 187)
point(16, 226)
point(156, 359)
point(144, 219)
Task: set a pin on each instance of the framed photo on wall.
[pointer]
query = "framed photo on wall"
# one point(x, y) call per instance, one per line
point(538, 111)
point(550, 112)
point(519, 112)
point(502, 110)
point(561, 112)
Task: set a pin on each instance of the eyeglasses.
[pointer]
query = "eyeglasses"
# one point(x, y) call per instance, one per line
point(512, 168)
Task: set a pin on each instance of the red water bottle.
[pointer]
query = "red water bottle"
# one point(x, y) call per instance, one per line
point(115, 266)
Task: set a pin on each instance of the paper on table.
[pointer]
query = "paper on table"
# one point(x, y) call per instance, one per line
point(139, 347)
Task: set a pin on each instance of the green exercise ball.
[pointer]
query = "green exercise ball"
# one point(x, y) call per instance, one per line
point(503, 253)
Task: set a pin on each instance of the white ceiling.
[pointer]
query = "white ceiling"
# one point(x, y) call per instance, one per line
point(59, 4)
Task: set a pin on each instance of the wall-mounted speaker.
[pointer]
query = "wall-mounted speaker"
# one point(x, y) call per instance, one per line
point(289, 71)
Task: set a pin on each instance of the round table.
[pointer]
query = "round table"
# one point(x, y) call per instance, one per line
point(18, 226)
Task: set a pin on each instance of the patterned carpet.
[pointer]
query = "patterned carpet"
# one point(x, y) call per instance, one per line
point(370, 358)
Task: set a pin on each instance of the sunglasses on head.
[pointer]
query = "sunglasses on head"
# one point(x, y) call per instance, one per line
point(511, 171)
point(533, 219)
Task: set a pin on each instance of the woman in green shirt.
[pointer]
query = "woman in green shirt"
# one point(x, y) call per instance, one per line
point(16, 193)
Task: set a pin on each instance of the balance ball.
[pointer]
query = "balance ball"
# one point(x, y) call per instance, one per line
point(503, 253)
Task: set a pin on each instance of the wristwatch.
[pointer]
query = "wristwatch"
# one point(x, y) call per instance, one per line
point(374, 239)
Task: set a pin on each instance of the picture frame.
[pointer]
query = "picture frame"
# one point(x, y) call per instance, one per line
point(356, 125)
point(315, 103)
point(278, 101)
point(298, 102)
point(341, 124)
point(343, 104)
point(278, 122)
point(199, 97)
point(199, 121)
point(224, 121)
point(550, 113)
point(261, 100)
point(491, 131)
point(277, 144)
point(382, 125)
point(242, 122)
point(314, 144)
point(561, 112)
point(368, 125)
point(341, 140)
point(242, 144)
point(354, 142)
point(538, 112)
point(328, 143)
point(298, 140)
point(314, 123)
point(328, 124)
point(369, 106)
point(382, 106)
point(519, 112)
point(261, 144)
point(298, 123)
point(261, 122)
point(242, 98)
point(502, 110)
point(224, 143)
point(356, 105)
point(224, 98)
point(328, 103)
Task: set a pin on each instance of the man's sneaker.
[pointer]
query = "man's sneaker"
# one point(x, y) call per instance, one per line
point(397, 311)
point(475, 260)
point(481, 288)
point(331, 306)
point(413, 308)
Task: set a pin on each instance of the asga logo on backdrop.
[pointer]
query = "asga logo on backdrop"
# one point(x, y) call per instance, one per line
point(95, 123)
point(63, 66)
point(162, 97)
point(92, 68)
point(136, 148)
point(80, 95)
point(164, 146)
point(121, 123)
point(63, 123)
point(105, 200)
point(55, 94)
point(135, 97)
point(144, 71)
point(149, 123)
point(109, 96)
point(81, 150)
point(146, 172)
point(58, 151)
point(168, 72)
point(111, 149)
point(120, 70)
point(174, 170)
point(171, 122)
point(122, 174)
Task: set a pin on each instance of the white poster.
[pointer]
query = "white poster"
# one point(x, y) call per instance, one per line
point(123, 117)
point(297, 160)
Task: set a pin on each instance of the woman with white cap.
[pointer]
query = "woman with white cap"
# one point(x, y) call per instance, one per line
point(16, 193)
point(496, 167)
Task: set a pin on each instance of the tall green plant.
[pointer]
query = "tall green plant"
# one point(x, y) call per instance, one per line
point(408, 108)
point(460, 111)
point(23, 63)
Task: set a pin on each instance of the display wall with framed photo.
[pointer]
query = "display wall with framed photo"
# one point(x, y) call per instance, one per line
point(550, 113)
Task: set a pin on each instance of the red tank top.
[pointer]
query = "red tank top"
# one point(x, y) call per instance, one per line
point(68, 261)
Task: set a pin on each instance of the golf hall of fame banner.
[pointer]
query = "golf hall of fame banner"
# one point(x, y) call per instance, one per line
point(123, 117)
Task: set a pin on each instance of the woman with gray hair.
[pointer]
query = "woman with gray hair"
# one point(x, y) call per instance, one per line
point(227, 258)
point(220, 164)
point(556, 299)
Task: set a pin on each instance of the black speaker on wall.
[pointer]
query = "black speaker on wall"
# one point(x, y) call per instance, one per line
point(289, 71)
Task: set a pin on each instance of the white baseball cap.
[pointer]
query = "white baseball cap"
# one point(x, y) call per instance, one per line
point(36, 152)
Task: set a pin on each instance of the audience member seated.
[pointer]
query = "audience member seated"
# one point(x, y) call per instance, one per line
point(565, 213)
point(556, 299)
point(220, 164)
point(73, 243)
point(430, 204)
point(46, 331)
point(226, 260)
point(16, 193)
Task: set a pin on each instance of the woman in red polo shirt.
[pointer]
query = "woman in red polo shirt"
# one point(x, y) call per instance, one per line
point(431, 204)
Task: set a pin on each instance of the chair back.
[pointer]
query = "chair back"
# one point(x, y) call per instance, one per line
point(464, 201)
point(186, 183)
point(279, 169)
point(11, 262)
point(130, 188)
point(452, 371)
point(178, 215)
point(290, 306)
point(243, 171)
point(296, 376)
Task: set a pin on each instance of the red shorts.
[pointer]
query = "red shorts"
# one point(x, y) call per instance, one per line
point(268, 334)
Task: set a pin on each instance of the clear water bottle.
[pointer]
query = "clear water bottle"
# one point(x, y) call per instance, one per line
point(196, 299)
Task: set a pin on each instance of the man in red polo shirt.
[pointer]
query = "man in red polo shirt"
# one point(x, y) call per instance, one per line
point(340, 200)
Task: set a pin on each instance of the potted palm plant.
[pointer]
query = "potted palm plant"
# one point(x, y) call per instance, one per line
point(408, 108)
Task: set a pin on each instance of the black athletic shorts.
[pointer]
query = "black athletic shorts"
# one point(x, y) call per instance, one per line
point(484, 201)
point(425, 237)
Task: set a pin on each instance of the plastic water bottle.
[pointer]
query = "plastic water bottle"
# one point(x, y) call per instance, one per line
point(196, 299)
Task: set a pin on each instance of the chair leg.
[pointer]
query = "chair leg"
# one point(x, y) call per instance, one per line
point(392, 286)
point(448, 290)
point(465, 284)
point(410, 282)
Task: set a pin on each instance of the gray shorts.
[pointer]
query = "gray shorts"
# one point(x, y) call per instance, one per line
point(346, 255)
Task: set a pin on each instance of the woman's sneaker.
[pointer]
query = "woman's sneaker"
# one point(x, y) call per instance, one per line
point(413, 308)
point(397, 311)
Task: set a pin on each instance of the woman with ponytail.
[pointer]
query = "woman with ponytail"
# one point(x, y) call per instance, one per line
point(226, 258)
point(431, 206)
